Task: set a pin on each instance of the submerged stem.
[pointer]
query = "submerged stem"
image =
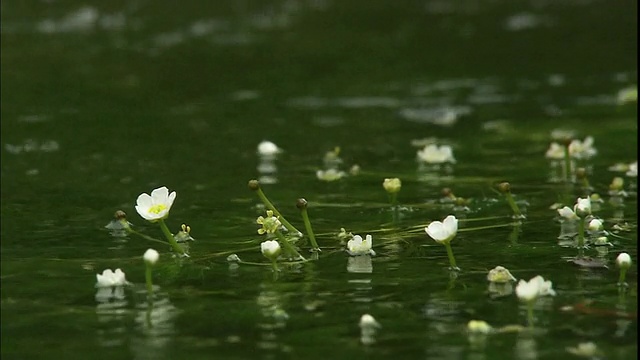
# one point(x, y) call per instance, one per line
point(148, 279)
point(581, 224)
point(567, 164)
point(621, 278)
point(530, 313)
point(513, 205)
point(288, 248)
point(393, 199)
point(274, 266)
point(452, 260)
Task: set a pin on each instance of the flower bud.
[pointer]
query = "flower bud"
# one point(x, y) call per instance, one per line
point(392, 185)
point(595, 225)
point(301, 203)
point(120, 215)
point(478, 327)
point(270, 249)
point(617, 184)
point(581, 173)
point(151, 257)
point(368, 322)
point(623, 261)
point(504, 187)
point(254, 185)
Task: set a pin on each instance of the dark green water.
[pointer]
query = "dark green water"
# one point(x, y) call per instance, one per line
point(102, 102)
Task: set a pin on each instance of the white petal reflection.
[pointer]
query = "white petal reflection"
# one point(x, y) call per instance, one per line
point(360, 264)
point(155, 324)
point(273, 321)
point(526, 347)
point(112, 314)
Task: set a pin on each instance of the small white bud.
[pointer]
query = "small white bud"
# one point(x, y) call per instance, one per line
point(478, 327)
point(623, 260)
point(151, 257)
point(595, 225)
point(368, 322)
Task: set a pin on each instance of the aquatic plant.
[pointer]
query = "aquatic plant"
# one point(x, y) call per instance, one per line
point(271, 250)
point(302, 204)
point(155, 208)
point(443, 232)
point(110, 278)
point(359, 246)
point(150, 258)
point(434, 154)
point(623, 261)
point(530, 291)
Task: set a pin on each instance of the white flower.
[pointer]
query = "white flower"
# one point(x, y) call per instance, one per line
point(358, 246)
point(110, 278)
point(534, 288)
point(527, 290)
point(582, 207)
point(567, 213)
point(443, 232)
point(330, 175)
point(633, 170)
point(623, 260)
point(392, 185)
point(555, 151)
point(151, 256)
point(156, 206)
point(595, 225)
point(270, 249)
point(582, 149)
point(433, 154)
point(268, 149)
point(545, 287)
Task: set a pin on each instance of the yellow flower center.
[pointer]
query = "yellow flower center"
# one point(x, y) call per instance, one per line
point(156, 209)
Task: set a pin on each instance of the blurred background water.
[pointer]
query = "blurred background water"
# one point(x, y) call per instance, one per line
point(104, 101)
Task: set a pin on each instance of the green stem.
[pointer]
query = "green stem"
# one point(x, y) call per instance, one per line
point(172, 241)
point(623, 274)
point(567, 164)
point(149, 282)
point(270, 206)
point(148, 312)
point(513, 237)
point(393, 199)
point(288, 248)
point(452, 260)
point(581, 224)
point(307, 226)
point(530, 313)
point(513, 205)
point(274, 265)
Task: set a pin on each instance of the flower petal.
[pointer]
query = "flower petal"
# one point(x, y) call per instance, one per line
point(144, 201)
point(436, 231)
point(451, 225)
point(171, 199)
point(160, 194)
